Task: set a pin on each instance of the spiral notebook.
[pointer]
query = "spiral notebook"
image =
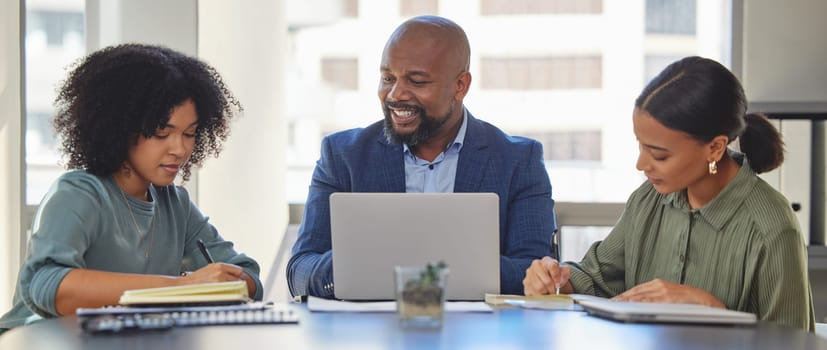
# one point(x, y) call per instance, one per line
point(124, 318)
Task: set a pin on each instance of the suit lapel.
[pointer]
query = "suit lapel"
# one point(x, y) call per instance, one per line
point(473, 158)
point(390, 175)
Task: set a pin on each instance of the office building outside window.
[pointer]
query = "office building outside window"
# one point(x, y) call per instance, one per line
point(351, 8)
point(409, 8)
point(565, 72)
point(577, 146)
point(670, 17)
point(541, 73)
point(54, 39)
point(529, 7)
point(342, 73)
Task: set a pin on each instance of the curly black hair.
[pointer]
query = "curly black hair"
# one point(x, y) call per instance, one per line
point(120, 92)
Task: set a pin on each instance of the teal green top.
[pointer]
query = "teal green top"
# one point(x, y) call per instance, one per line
point(84, 221)
point(744, 247)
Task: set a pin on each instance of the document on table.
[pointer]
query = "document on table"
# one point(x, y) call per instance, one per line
point(329, 305)
point(545, 302)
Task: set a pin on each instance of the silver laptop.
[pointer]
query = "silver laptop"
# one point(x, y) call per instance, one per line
point(665, 312)
point(373, 232)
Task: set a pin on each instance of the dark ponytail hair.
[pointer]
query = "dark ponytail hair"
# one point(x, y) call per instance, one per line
point(762, 143)
point(704, 99)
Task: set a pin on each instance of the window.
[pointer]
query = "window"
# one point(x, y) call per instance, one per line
point(670, 17)
point(653, 64)
point(342, 73)
point(543, 73)
point(55, 38)
point(529, 7)
point(410, 8)
point(572, 145)
point(575, 241)
point(573, 93)
point(558, 71)
point(56, 26)
point(351, 8)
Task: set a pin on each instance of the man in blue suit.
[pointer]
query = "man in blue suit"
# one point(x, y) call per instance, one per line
point(428, 142)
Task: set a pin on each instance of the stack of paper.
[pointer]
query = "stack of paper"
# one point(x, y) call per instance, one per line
point(330, 305)
point(547, 302)
point(206, 293)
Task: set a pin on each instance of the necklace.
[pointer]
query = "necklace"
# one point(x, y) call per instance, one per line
point(150, 232)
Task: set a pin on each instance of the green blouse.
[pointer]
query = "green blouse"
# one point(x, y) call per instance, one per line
point(745, 247)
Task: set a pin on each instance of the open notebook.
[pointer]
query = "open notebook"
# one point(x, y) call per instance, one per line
point(218, 293)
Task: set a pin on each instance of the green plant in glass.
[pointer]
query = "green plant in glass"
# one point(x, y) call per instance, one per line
point(423, 292)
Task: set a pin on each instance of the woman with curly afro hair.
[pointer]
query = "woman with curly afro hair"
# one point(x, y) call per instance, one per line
point(132, 118)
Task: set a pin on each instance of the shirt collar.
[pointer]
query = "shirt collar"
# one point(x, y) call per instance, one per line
point(458, 141)
point(724, 206)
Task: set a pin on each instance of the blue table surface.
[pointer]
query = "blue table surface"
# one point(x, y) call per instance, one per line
point(502, 329)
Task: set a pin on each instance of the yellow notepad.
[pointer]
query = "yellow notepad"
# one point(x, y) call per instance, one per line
point(549, 302)
point(234, 292)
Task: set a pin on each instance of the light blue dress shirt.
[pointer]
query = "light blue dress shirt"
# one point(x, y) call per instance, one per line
point(438, 176)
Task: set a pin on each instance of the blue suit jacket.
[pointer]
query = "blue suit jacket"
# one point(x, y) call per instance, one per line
point(362, 160)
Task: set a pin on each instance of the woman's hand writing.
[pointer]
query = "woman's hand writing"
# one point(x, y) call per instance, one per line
point(658, 290)
point(545, 276)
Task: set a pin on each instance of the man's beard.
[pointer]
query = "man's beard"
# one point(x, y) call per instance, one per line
point(428, 126)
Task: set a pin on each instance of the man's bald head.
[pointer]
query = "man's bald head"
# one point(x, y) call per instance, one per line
point(440, 33)
point(424, 78)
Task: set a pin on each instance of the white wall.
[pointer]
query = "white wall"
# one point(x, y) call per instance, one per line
point(779, 53)
point(11, 183)
point(785, 51)
point(243, 190)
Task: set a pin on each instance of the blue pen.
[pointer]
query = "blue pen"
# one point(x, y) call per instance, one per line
point(204, 251)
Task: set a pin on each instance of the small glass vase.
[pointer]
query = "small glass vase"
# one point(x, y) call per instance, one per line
point(420, 295)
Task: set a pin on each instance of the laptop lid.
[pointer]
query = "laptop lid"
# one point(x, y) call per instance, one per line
point(665, 312)
point(373, 232)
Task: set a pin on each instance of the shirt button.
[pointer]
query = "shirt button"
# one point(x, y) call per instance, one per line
point(682, 257)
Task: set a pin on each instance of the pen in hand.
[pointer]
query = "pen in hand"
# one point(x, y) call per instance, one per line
point(557, 251)
point(205, 252)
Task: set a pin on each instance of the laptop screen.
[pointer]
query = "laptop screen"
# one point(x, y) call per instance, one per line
point(373, 232)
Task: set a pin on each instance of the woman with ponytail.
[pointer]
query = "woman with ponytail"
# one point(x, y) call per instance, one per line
point(703, 228)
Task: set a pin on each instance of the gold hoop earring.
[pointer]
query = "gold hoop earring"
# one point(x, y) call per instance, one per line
point(713, 167)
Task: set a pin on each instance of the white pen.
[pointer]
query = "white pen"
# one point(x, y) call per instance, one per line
point(556, 241)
